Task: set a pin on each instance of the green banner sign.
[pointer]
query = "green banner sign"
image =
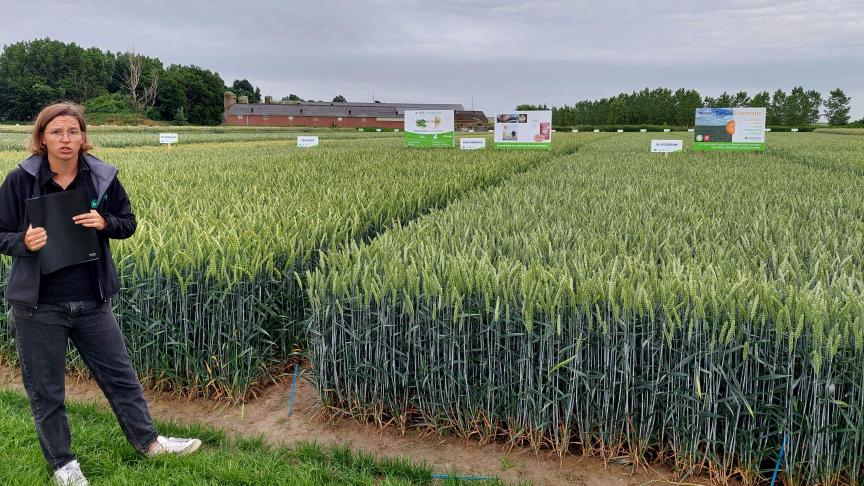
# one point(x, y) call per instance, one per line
point(729, 146)
point(444, 139)
point(524, 145)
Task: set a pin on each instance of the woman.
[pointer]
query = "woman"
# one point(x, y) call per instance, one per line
point(73, 302)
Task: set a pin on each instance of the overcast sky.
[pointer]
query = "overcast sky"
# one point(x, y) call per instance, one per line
point(500, 52)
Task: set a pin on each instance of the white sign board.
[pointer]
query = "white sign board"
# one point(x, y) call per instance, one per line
point(596, 130)
point(667, 130)
point(620, 131)
point(523, 130)
point(666, 145)
point(472, 143)
point(767, 129)
point(575, 130)
point(793, 130)
point(305, 141)
point(689, 129)
point(168, 138)
point(642, 130)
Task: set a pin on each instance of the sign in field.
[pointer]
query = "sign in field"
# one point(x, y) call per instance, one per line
point(666, 146)
point(738, 129)
point(472, 143)
point(306, 141)
point(523, 130)
point(168, 138)
point(429, 128)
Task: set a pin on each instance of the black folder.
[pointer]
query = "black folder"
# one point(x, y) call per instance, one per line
point(68, 243)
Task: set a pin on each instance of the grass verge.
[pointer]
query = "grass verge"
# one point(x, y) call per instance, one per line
point(106, 457)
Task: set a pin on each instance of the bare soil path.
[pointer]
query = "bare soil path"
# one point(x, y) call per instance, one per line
point(268, 416)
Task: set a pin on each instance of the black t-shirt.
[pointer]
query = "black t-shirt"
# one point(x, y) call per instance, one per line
point(76, 282)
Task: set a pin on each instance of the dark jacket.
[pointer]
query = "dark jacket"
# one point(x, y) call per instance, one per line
point(22, 288)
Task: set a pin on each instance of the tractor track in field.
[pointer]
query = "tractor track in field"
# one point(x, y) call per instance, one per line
point(268, 417)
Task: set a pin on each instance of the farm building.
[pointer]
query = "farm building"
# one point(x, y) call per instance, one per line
point(337, 115)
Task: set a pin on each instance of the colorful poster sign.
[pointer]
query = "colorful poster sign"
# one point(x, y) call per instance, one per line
point(523, 130)
point(429, 128)
point(730, 129)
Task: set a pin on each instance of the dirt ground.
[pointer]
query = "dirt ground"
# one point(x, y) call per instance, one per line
point(269, 417)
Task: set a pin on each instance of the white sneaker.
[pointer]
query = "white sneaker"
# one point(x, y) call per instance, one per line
point(70, 475)
point(173, 445)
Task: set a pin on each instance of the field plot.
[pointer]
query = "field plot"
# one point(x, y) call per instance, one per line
point(211, 301)
point(16, 138)
point(694, 310)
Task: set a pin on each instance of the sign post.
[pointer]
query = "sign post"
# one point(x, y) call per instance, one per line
point(472, 143)
point(666, 146)
point(306, 141)
point(168, 139)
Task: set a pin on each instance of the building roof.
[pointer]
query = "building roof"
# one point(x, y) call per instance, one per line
point(315, 108)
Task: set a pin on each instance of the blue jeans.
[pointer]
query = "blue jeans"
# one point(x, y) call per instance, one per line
point(41, 337)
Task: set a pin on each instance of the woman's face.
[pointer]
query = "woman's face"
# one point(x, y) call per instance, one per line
point(63, 138)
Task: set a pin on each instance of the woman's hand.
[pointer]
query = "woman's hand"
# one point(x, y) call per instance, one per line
point(91, 220)
point(35, 238)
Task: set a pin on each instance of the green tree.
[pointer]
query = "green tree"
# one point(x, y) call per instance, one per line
point(109, 103)
point(725, 100)
point(761, 100)
point(38, 72)
point(171, 96)
point(686, 102)
point(204, 93)
point(292, 97)
point(776, 114)
point(242, 87)
point(528, 107)
point(740, 100)
point(180, 117)
point(814, 103)
point(339, 99)
point(837, 107)
point(802, 107)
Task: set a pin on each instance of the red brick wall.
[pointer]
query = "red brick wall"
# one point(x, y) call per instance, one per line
point(308, 121)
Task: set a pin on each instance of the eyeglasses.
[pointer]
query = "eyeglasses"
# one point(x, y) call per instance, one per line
point(58, 134)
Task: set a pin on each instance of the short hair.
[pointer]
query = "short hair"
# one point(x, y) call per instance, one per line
point(50, 112)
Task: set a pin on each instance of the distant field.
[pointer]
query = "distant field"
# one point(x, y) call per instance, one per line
point(16, 138)
point(841, 131)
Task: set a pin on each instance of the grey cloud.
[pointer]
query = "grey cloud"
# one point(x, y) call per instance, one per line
point(502, 52)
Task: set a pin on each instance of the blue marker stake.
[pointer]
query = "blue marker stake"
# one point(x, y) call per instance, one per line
point(291, 403)
point(779, 459)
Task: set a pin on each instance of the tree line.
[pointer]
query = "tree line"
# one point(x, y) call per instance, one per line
point(662, 106)
point(36, 73)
